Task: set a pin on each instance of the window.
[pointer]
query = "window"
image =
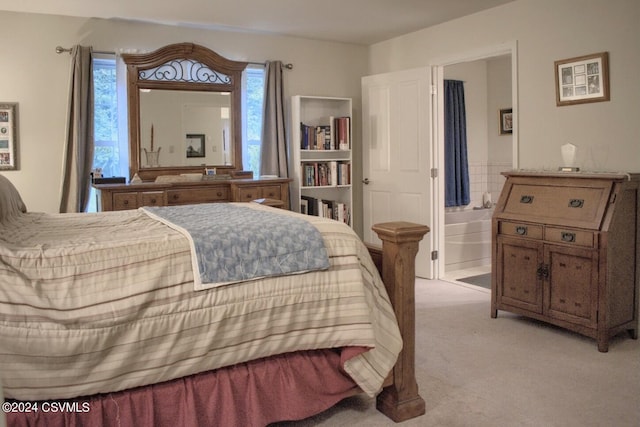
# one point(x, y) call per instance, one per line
point(107, 153)
point(110, 152)
point(252, 101)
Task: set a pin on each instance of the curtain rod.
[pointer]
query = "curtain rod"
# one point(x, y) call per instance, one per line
point(60, 49)
point(288, 66)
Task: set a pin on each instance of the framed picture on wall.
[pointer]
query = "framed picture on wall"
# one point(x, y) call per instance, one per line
point(195, 145)
point(506, 121)
point(8, 136)
point(582, 79)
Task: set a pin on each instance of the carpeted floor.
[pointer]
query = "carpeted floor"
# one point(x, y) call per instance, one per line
point(482, 280)
point(481, 372)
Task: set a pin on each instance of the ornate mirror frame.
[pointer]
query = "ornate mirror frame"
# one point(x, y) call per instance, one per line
point(211, 73)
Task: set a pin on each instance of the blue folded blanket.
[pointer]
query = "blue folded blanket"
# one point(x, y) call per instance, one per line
point(232, 243)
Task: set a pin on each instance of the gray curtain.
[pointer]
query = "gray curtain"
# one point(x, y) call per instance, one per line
point(457, 191)
point(78, 150)
point(273, 155)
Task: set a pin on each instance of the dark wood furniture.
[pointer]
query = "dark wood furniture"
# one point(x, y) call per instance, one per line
point(566, 251)
point(114, 197)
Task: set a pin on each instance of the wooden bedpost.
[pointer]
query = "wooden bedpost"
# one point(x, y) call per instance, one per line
point(400, 401)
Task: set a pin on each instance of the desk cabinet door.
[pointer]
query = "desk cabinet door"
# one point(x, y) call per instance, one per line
point(520, 279)
point(572, 287)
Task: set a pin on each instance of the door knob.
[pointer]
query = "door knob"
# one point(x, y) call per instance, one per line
point(365, 181)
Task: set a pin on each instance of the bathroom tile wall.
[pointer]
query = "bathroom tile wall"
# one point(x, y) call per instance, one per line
point(486, 177)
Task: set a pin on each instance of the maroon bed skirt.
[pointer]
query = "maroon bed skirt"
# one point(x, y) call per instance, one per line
point(292, 386)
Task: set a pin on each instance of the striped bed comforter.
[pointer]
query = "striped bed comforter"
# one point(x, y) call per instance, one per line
point(95, 303)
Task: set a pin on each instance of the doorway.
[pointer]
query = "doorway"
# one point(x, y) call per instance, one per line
point(463, 234)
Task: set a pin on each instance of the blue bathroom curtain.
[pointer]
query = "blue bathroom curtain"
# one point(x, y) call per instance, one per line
point(456, 186)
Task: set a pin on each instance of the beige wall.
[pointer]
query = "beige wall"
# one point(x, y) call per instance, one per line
point(607, 133)
point(499, 91)
point(37, 78)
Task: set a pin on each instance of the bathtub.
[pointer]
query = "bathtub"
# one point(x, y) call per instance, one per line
point(467, 238)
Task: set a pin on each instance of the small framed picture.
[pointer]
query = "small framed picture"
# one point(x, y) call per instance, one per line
point(8, 136)
point(210, 171)
point(195, 145)
point(582, 79)
point(506, 121)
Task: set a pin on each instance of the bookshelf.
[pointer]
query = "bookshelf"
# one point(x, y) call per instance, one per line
point(321, 158)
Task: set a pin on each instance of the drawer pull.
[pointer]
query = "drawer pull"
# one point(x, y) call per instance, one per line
point(126, 202)
point(219, 193)
point(521, 230)
point(526, 199)
point(176, 196)
point(568, 237)
point(153, 201)
point(576, 203)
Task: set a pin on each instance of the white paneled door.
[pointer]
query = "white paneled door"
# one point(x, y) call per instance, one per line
point(396, 138)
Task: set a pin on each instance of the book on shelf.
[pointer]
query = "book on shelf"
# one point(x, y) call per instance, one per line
point(324, 174)
point(343, 133)
point(333, 136)
point(325, 208)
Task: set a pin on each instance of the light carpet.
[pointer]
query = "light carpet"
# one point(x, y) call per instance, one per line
point(511, 371)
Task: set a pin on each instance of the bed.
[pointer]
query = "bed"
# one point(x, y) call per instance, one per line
point(105, 321)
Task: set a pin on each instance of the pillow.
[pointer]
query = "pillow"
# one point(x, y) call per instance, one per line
point(11, 203)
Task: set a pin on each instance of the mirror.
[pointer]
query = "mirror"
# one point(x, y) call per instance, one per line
point(184, 111)
point(189, 128)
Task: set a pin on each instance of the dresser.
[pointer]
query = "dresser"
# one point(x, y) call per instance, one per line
point(114, 197)
point(565, 250)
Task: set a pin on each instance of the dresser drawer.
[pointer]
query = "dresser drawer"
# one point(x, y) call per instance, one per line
point(249, 193)
point(271, 192)
point(152, 198)
point(532, 231)
point(197, 195)
point(124, 201)
point(564, 235)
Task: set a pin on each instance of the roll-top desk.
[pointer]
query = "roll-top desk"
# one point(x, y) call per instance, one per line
point(565, 250)
point(113, 197)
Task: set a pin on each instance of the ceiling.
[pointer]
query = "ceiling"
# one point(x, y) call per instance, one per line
point(350, 21)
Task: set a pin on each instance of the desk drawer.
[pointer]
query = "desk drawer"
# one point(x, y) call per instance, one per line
point(574, 237)
point(532, 231)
